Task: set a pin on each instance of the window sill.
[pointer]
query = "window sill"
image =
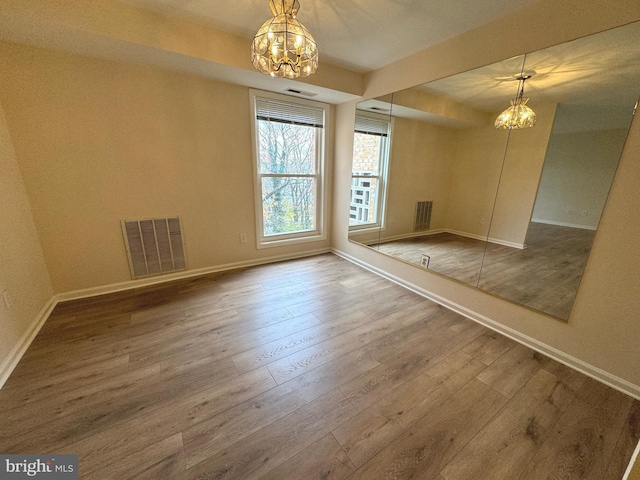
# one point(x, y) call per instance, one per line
point(282, 242)
point(363, 230)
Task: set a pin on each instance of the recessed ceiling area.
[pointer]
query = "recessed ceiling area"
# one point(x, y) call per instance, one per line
point(565, 73)
point(592, 79)
point(361, 35)
point(213, 39)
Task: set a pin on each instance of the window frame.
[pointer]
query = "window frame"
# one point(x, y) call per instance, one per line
point(320, 205)
point(384, 158)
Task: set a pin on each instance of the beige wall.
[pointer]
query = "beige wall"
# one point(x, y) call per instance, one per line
point(577, 176)
point(460, 169)
point(117, 29)
point(100, 141)
point(603, 331)
point(482, 181)
point(478, 161)
point(419, 169)
point(23, 272)
point(523, 163)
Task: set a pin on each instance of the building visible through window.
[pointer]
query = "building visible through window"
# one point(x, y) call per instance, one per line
point(369, 170)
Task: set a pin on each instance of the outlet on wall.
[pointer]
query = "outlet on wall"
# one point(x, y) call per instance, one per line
point(243, 238)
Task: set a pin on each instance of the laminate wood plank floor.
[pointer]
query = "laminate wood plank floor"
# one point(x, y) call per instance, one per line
point(307, 369)
point(544, 276)
point(452, 255)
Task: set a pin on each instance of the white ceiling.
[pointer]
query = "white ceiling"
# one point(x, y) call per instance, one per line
point(595, 80)
point(356, 35)
point(603, 68)
point(361, 35)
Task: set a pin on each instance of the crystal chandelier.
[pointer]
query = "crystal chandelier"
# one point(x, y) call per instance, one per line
point(518, 114)
point(283, 47)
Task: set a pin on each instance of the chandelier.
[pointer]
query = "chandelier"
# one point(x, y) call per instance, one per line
point(283, 47)
point(518, 114)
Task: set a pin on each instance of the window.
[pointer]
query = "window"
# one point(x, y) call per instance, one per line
point(369, 171)
point(289, 158)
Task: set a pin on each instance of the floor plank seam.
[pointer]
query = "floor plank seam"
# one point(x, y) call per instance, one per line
point(208, 371)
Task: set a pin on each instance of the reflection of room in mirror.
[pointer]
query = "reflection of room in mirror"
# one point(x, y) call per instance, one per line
point(369, 168)
point(544, 276)
point(452, 255)
point(514, 212)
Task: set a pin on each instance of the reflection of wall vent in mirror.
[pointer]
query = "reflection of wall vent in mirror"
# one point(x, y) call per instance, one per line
point(422, 219)
point(154, 246)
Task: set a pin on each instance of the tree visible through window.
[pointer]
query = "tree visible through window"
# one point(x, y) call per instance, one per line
point(289, 154)
point(287, 166)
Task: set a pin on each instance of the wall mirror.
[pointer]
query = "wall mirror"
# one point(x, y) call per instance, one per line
point(511, 211)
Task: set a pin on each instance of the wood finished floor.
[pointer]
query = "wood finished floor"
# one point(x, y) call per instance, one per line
point(544, 276)
point(308, 369)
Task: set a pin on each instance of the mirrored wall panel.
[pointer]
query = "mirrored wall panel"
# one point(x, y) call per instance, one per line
point(512, 211)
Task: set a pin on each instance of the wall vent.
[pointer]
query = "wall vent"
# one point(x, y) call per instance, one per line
point(422, 219)
point(154, 246)
point(300, 92)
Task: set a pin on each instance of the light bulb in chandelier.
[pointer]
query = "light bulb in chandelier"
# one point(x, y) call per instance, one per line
point(518, 114)
point(283, 47)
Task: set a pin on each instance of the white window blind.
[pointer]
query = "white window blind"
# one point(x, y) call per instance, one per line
point(289, 169)
point(372, 126)
point(294, 114)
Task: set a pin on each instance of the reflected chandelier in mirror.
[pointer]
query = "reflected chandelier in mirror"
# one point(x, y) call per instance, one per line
point(512, 212)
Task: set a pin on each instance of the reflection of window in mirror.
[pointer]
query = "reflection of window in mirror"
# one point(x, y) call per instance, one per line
point(369, 171)
point(539, 198)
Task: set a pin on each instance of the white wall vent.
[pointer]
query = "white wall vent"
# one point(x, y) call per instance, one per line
point(154, 246)
point(422, 219)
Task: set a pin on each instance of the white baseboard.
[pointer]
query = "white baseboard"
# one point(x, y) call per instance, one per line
point(596, 373)
point(466, 234)
point(497, 241)
point(564, 224)
point(404, 236)
point(19, 349)
point(634, 459)
point(632, 462)
point(145, 282)
point(10, 363)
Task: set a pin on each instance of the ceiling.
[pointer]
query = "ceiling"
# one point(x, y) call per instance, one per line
point(353, 36)
point(361, 35)
point(212, 38)
point(595, 80)
point(603, 68)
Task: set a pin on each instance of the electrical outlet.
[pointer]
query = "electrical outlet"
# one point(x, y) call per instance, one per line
point(243, 238)
point(7, 299)
point(482, 221)
point(424, 260)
